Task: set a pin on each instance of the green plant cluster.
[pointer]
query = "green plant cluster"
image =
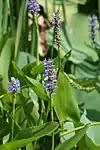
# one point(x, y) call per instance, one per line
point(32, 119)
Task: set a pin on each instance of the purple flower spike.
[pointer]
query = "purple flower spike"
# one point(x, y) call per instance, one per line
point(92, 25)
point(56, 25)
point(49, 76)
point(33, 6)
point(14, 85)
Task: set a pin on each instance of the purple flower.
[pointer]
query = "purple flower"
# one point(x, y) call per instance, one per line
point(33, 6)
point(56, 25)
point(14, 85)
point(92, 25)
point(49, 76)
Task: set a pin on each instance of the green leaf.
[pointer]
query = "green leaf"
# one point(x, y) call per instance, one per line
point(3, 40)
point(59, 2)
point(22, 14)
point(5, 16)
point(37, 87)
point(4, 127)
point(23, 58)
point(34, 41)
point(27, 68)
point(64, 101)
point(29, 135)
point(92, 138)
point(38, 69)
point(34, 84)
point(31, 112)
point(67, 145)
point(5, 60)
point(1, 15)
point(68, 126)
point(65, 59)
point(90, 100)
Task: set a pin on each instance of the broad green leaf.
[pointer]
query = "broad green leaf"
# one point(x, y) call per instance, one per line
point(27, 68)
point(67, 145)
point(34, 84)
point(3, 40)
point(29, 135)
point(69, 2)
point(5, 60)
point(65, 59)
point(7, 98)
point(5, 16)
point(20, 26)
point(92, 138)
point(31, 112)
point(90, 101)
point(33, 39)
point(4, 127)
point(79, 38)
point(1, 15)
point(64, 101)
point(23, 58)
point(88, 82)
point(82, 145)
point(68, 126)
point(38, 69)
point(87, 69)
point(37, 87)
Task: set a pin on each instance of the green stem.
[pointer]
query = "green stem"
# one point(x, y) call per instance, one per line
point(64, 11)
point(99, 11)
point(76, 129)
point(53, 39)
point(52, 119)
point(46, 7)
point(36, 22)
point(59, 62)
point(12, 21)
point(47, 112)
point(13, 116)
point(42, 107)
point(2, 112)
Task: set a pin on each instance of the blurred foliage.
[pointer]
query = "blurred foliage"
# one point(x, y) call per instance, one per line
point(76, 101)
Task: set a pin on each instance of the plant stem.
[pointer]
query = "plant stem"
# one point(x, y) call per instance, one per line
point(13, 116)
point(52, 119)
point(76, 129)
point(2, 112)
point(99, 11)
point(36, 22)
point(46, 7)
point(64, 11)
point(59, 62)
point(42, 108)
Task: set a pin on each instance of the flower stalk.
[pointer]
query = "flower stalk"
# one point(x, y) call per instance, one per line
point(57, 38)
point(13, 116)
point(92, 27)
point(37, 52)
point(50, 86)
point(34, 7)
point(14, 87)
point(52, 119)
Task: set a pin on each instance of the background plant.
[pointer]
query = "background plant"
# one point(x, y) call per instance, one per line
point(76, 121)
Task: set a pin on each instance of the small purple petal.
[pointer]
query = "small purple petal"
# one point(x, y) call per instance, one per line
point(33, 6)
point(49, 75)
point(92, 25)
point(14, 85)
